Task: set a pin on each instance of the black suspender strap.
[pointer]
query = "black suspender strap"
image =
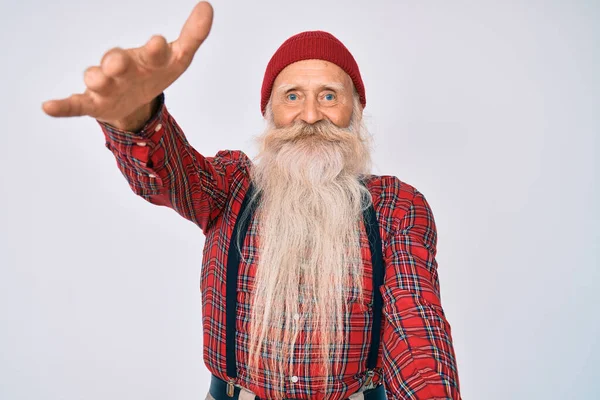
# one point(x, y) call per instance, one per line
point(233, 261)
point(372, 228)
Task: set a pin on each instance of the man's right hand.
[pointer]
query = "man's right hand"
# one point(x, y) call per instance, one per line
point(120, 91)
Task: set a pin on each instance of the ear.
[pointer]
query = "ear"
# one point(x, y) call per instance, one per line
point(268, 116)
point(360, 112)
point(357, 107)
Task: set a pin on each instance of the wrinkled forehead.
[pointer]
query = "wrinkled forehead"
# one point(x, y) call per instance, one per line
point(313, 75)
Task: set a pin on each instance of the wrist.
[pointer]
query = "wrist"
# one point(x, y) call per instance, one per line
point(135, 121)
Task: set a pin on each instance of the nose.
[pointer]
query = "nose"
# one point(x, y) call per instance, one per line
point(310, 111)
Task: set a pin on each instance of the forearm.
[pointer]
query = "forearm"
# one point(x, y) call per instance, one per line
point(164, 169)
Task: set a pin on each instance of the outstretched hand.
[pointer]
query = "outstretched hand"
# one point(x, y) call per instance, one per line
point(128, 79)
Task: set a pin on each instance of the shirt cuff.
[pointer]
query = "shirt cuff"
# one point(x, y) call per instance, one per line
point(120, 140)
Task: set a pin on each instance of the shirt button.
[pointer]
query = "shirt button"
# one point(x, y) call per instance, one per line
point(141, 144)
point(152, 175)
point(294, 379)
point(158, 127)
point(296, 317)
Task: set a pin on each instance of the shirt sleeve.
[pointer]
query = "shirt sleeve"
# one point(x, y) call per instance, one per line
point(163, 168)
point(418, 354)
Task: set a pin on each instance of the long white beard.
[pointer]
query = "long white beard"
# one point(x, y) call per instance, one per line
point(308, 177)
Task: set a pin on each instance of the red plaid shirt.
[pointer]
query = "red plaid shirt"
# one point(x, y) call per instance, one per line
point(416, 354)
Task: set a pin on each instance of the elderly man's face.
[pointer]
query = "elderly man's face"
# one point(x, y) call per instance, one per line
point(312, 90)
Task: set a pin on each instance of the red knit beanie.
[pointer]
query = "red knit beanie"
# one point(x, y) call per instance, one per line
point(311, 45)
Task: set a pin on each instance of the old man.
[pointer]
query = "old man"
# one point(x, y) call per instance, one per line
point(319, 279)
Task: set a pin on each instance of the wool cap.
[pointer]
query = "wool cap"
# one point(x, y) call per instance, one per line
point(311, 45)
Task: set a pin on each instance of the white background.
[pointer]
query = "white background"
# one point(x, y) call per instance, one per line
point(490, 108)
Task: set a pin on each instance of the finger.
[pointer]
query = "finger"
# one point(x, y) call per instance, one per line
point(155, 53)
point(74, 106)
point(97, 81)
point(115, 62)
point(194, 31)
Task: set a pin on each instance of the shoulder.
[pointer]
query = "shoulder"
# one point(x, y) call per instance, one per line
point(233, 157)
point(232, 163)
point(389, 191)
point(394, 199)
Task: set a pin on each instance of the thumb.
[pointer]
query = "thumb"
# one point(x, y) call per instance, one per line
point(194, 31)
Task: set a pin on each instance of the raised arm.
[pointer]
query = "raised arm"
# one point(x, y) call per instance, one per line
point(163, 168)
point(125, 95)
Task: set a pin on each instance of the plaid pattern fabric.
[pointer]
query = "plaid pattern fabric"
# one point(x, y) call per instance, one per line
point(417, 359)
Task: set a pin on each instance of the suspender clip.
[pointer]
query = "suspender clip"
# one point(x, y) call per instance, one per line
point(370, 374)
point(230, 388)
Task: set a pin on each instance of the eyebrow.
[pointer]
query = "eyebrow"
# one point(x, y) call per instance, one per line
point(334, 86)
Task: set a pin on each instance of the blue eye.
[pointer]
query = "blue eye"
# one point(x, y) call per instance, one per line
point(292, 96)
point(329, 97)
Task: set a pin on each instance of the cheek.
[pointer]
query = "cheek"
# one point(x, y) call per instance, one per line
point(341, 117)
point(282, 117)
